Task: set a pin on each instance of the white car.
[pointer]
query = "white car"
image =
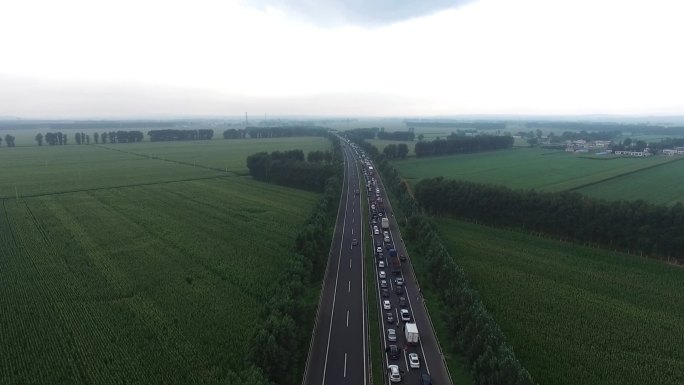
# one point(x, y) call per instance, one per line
point(405, 315)
point(414, 362)
point(378, 249)
point(386, 304)
point(391, 335)
point(376, 232)
point(382, 274)
point(381, 264)
point(394, 373)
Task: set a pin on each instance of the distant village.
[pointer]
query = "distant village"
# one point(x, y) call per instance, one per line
point(603, 147)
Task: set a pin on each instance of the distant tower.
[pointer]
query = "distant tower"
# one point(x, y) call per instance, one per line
point(245, 120)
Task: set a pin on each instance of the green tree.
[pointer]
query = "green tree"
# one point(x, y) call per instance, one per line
point(402, 151)
point(421, 137)
point(96, 136)
point(315, 156)
point(9, 140)
point(390, 151)
point(39, 139)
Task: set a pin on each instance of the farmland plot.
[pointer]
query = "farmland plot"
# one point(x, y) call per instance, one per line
point(576, 315)
point(31, 171)
point(527, 168)
point(656, 185)
point(150, 276)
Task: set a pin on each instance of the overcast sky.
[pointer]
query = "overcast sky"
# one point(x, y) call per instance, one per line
point(117, 58)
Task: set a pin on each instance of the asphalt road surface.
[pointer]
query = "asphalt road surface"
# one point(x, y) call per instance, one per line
point(428, 350)
point(338, 349)
point(338, 352)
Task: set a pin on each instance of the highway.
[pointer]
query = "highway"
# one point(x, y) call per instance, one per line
point(428, 350)
point(338, 352)
point(339, 345)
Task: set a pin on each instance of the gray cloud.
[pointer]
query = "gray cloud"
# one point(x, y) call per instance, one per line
point(358, 12)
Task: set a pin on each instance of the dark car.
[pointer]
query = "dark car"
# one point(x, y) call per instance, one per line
point(385, 293)
point(378, 244)
point(402, 301)
point(425, 379)
point(399, 290)
point(402, 257)
point(389, 317)
point(393, 352)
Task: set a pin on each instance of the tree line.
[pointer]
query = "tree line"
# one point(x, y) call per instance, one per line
point(119, 137)
point(473, 332)
point(80, 138)
point(280, 346)
point(273, 132)
point(233, 133)
point(397, 135)
point(362, 133)
point(289, 168)
point(180, 135)
point(666, 143)
point(476, 124)
point(396, 151)
point(455, 144)
point(283, 131)
point(52, 138)
point(632, 226)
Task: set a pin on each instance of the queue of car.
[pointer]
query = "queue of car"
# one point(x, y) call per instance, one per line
point(383, 243)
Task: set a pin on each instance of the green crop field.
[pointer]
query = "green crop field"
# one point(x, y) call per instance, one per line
point(576, 315)
point(660, 184)
point(126, 269)
point(547, 170)
point(36, 170)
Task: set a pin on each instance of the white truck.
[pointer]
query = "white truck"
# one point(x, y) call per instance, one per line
point(411, 333)
point(385, 223)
